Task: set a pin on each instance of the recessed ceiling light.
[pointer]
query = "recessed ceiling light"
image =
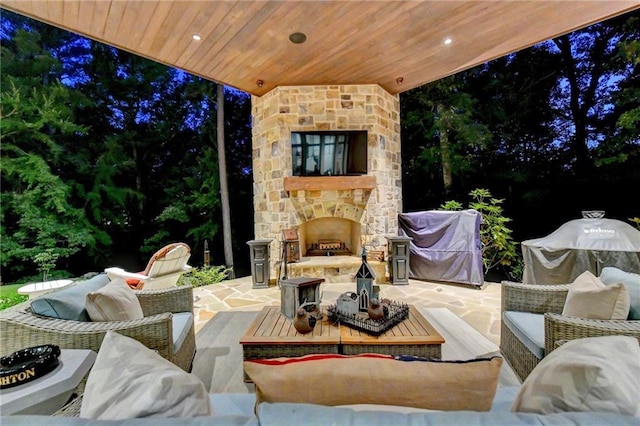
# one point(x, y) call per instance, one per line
point(448, 40)
point(297, 38)
point(196, 37)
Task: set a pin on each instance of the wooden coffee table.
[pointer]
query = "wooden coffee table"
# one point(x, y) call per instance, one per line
point(413, 336)
point(272, 335)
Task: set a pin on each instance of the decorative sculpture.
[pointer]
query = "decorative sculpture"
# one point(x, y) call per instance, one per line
point(304, 322)
point(375, 310)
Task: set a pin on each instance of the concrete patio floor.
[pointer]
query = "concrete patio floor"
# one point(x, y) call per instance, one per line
point(479, 307)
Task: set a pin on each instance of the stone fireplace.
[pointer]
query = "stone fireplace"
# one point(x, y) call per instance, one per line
point(353, 210)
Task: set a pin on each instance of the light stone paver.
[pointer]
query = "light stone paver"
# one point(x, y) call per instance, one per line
point(478, 307)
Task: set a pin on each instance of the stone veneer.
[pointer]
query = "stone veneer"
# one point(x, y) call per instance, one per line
point(373, 208)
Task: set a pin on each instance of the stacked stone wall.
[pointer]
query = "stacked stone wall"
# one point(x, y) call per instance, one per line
point(336, 107)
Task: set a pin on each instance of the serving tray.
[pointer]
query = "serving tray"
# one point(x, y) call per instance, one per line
point(361, 321)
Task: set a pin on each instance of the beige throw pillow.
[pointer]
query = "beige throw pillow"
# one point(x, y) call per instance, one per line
point(113, 302)
point(128, 380)
point(588, 297)
point(599, 374)
point(377, 379)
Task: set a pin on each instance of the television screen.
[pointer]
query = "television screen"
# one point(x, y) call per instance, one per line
point(338, 153)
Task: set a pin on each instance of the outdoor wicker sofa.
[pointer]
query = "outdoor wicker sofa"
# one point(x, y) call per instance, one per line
point(548, 300)
point(21, 328)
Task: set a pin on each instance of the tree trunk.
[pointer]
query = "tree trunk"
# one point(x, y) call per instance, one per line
point(445, 148)
point(139, 188)
point(224, 190)
point(580, 101)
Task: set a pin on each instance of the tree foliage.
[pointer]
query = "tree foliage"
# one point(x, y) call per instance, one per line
point(37, 212)
point(440, 126)
point(562, 116)
point(120, 175)
point(107, 156)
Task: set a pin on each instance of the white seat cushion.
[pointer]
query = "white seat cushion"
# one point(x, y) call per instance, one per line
point(528, 328)
point(182, 323)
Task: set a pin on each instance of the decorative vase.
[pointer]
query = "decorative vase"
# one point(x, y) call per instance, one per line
point(303, 322)
point(375, 310)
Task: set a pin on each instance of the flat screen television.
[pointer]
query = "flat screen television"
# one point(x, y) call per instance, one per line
point(329, 153)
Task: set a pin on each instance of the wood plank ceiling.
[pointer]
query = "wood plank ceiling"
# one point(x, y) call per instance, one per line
point(396, 44)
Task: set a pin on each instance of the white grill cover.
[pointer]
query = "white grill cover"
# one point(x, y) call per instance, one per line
point(581, 245)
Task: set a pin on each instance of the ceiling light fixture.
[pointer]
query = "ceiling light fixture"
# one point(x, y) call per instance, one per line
point(260, 83)
point(297, 38)
point(448, 40)
point(196, 37)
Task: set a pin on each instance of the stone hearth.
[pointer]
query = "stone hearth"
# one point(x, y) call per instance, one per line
point(334, 269)
point(358, 210)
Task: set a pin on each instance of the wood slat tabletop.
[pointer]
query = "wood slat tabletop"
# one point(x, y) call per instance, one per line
point(272, 328)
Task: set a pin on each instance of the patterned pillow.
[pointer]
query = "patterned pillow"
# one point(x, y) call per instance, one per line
point(588, 297)
point(128, 380)
point(377, 379)
point(599, 374)
point(113, 302)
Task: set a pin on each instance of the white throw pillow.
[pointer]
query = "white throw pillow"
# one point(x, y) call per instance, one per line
point(128, 380)
point(599, 374)
point(113, 302)
point(589, 298)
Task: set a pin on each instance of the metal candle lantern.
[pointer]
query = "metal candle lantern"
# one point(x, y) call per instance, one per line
point(206, 253)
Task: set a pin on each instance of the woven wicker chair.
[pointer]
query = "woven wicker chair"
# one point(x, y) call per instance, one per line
point(549, 300)
point(20, 328)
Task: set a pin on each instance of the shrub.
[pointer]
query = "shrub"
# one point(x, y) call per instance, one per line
point(205, 275)
point(498, 247)
point(46, 261)
point(6, 301)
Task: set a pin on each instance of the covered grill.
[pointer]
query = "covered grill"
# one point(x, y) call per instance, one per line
point(587, 244)
point(445, 245)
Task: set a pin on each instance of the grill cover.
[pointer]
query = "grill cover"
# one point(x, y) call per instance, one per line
point(445, 245)
point(580, 245)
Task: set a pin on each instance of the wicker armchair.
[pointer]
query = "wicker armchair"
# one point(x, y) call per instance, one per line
point(549, 300)
point(20, 328)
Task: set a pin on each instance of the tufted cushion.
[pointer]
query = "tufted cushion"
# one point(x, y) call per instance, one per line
point(69, 302)
point(611, 276)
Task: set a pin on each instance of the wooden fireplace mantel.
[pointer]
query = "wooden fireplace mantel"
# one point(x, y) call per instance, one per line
point(328, 183)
